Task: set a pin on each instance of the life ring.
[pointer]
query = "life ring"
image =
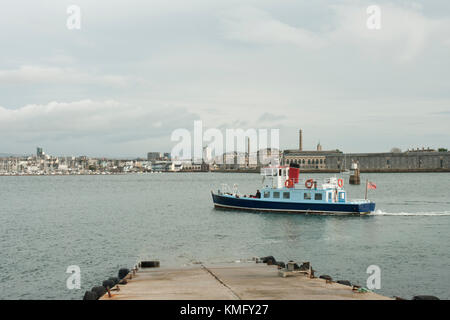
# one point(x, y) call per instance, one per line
point(340, 183)
point(289, 183)
point(309, 183)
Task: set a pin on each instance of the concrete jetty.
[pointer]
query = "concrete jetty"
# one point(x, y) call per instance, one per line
point(231, 281)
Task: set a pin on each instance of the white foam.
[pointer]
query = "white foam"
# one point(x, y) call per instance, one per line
point(431, 213)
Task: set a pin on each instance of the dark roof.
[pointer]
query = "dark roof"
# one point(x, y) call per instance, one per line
point(296, 152)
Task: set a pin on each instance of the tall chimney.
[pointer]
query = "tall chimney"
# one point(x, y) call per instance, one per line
point(248, 151)
point(300, 140)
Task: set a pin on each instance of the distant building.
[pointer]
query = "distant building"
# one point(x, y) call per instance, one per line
point(207, 154)
point(413, 160)
point(152, 156)
point(177, 166)
point(160, 167)
point(39, 152)
point(417, 160)
point(312, 160)
point(319, 147)
point(268, 156)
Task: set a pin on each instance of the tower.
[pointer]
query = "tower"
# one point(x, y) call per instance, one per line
point(248, 151)
point(300, 140)
point(319, 147)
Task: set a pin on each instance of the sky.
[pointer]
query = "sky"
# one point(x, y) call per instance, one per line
point(138, 70)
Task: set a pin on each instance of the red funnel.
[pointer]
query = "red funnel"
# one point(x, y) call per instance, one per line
point(293, 174)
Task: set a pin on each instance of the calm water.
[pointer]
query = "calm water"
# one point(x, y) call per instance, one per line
point(103, 223)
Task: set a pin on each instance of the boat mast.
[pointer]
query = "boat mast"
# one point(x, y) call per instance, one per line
point(367, 183)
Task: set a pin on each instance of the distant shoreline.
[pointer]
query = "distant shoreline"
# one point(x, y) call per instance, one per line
point(337, 171)
point(232, 171)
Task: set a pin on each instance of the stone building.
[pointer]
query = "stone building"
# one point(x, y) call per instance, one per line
point(414, 160)
point(310, 160)
point(392, 161)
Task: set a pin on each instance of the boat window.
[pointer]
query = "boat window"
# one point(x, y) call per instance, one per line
point(266, 194)
point(307, 196)
point(318, 196)
point(276, 194)
point(342, 195)
point(286, 195)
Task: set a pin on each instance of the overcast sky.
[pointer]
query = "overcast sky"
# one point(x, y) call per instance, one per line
point(137, 70)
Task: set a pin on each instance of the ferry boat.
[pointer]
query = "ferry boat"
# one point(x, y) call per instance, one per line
point(287, 193)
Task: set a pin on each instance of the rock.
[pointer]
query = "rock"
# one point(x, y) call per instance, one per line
point(150, 264)
point(326, 277)
point(123, 273)
point(425, 298)
point(344, 282)
point(89, 295)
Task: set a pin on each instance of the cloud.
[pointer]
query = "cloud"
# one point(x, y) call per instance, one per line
point(233, 63)
point(100, 122)
point(404, 35)
point(441, 113)
point(32, 74)
point(252, 25)
point(267, 116)
point(405, 31)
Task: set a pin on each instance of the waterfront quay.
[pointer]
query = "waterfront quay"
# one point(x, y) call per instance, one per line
point(412, 160)
point(309, 161)
point(231, 281)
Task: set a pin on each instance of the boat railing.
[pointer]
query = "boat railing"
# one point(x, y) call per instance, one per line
point(226, 189)
point(269, 171)
point(272, 171)
point(326, 181)
point(361, 201)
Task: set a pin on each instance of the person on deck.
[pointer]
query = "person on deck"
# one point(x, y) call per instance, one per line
point(258, 194)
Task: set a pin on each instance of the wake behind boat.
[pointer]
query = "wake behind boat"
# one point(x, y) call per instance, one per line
point(288, 194)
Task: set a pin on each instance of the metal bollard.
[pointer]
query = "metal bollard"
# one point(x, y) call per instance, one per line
point(290, 266)
point(311, 273)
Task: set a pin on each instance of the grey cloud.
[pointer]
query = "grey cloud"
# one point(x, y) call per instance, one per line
point(101, 122)
point(150, 66)
point(30, 74)
point(267, 116)
point(440, 113)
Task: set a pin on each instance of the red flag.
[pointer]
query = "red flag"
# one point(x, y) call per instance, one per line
point(371, 185)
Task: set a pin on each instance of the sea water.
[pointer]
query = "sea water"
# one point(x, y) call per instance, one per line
point(103, 223)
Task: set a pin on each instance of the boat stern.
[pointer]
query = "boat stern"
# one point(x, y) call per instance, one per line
point(367, 207)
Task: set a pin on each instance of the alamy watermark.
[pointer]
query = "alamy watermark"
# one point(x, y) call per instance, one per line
point(374, 280)
point(239, 146)
point(74, 280)
point(74, 19)
point(374, 20)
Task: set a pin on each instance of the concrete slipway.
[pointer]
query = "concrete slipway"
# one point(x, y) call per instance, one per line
point(233, 281)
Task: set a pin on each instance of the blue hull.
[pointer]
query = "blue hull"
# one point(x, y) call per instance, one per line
point(228, 202)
